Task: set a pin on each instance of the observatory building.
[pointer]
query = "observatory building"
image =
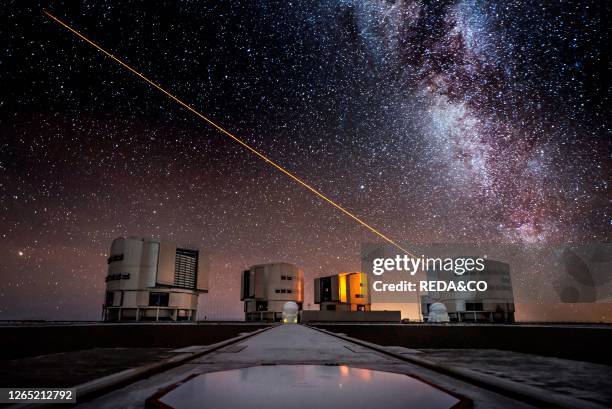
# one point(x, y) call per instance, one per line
point(342, 292)
point(151, 280)
point(496, 304)
point(266, 288)
point(345, 297)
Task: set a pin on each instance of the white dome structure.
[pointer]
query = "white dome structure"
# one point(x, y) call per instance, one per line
point(290, 313)
point(437, 313)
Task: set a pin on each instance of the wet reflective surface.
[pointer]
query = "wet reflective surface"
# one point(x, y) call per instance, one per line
point(305, 386)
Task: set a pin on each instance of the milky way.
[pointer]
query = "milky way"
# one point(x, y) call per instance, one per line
point(458, 121)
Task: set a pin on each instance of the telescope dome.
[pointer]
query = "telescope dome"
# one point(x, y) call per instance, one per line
point(290, 312)
point(437, 313)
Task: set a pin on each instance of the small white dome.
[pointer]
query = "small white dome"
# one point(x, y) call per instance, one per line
point(290, 308)
point(290, 312)
point(437, 313)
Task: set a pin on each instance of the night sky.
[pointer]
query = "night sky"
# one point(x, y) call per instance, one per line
point(434, 121)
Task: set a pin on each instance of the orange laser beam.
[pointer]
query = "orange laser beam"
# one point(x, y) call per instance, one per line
point(227, 133)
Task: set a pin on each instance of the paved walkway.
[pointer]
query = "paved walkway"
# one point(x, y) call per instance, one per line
point(292, 344)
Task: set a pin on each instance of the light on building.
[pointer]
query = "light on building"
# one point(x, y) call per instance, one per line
point(342, 292)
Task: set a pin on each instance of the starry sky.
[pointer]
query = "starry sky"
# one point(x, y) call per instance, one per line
point(435, 121)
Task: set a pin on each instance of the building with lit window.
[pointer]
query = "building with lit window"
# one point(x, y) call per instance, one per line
point(266, 288)
point(345, 297)
point(342, 292)
point(496, 304)
point(150, 280)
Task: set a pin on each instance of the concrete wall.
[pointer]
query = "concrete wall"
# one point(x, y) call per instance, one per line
point(350, 316)
point(183, 299)
point(166, 263)
point(570, 342)
point(139, 261)
point(16, 342)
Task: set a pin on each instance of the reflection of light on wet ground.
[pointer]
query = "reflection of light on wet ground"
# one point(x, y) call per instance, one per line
point(347, 371)
point(305, 386)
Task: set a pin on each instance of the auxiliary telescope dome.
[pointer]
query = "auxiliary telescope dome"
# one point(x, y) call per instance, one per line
point(437, 313)
point(290, 312)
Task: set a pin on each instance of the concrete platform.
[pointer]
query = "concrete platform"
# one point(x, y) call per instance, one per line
point(294, 345)
point(75, 367)
point(581, 380)
point(576, 342)
point(24, 340)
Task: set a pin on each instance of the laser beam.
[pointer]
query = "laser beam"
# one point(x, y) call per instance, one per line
point(227, 133)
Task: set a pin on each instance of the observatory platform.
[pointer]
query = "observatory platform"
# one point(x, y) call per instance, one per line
point(308, 367)
point(286, 350)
